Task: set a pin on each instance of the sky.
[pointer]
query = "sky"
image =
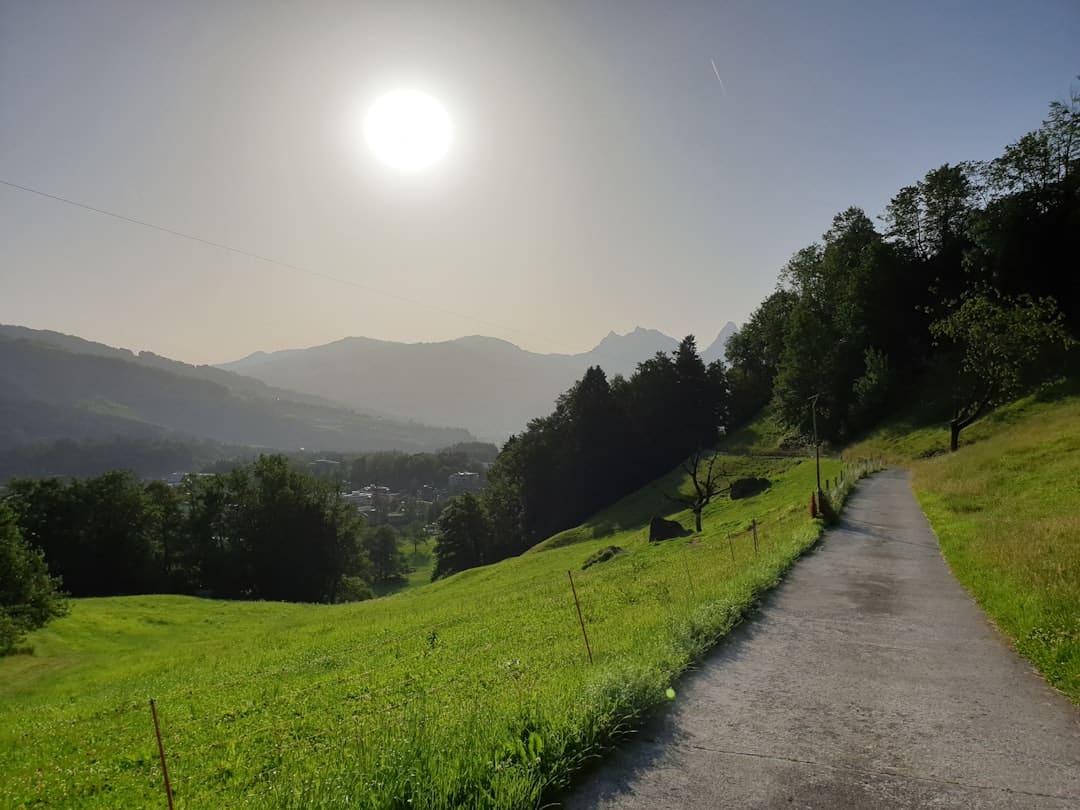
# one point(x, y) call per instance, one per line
point(600, 177)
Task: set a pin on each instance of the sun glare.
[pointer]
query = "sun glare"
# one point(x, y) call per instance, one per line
point(407, 130)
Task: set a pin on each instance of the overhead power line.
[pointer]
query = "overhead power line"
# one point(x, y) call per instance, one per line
point(267, 259)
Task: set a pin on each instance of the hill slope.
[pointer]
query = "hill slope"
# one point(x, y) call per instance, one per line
point(56, 386)
point(474, 691)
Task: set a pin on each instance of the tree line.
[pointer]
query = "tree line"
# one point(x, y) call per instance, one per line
point(264, 530)
point(399, 471)
point(408, 472)
point(29, 595)
point(968, 288)
point(604, 439)
point(150, 457)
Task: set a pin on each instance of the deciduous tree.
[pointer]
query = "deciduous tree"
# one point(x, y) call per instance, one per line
point(706, 480)
point(29, 596)
point(1002, 346)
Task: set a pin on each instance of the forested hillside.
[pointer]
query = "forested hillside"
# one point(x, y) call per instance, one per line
point(605, 439)
point(49, 392)
point(967, 289)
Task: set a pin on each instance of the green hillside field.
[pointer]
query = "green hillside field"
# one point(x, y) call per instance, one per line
point(474, 691)
point(1006, 509)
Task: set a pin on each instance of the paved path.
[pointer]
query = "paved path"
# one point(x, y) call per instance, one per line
point(869, 679)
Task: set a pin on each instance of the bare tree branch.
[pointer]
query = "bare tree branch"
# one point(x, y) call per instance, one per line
point(705, 487)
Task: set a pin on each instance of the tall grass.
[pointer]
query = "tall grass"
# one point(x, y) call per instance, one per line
point(473, 691)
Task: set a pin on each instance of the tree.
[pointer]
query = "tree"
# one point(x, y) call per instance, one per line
point(805, 370)
point(502, 502)
point(464, 536)
point(301, 538)
point(946, 195)
point(381, 545)
point(1001, 347)
point(699, 407)
point(115, 529)
point(905, 218)
point(832, 322)
point(1027, 237)
point(29, 596)
point(649, 401)
point(165, 527)
point(595, 428)
point(94, 532)
point(872, 388)
point(754, 353)
point(706, 481)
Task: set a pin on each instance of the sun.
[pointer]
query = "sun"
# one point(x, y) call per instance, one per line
point(408, 130)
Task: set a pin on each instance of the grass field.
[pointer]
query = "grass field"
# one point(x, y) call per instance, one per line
point(765, 436)
point(474, 691)
point(1006, 508)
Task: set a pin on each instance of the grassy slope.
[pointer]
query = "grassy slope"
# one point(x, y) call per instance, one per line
point(1006, 509)
point(765, 435)
point(473, 691)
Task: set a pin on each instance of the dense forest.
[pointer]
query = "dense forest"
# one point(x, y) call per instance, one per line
point(264, 530)
point(969, 289)
point(970, 286)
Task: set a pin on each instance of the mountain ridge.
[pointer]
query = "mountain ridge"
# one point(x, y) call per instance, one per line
point(490, 386)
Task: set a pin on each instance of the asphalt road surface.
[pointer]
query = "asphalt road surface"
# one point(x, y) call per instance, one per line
point(869, 679)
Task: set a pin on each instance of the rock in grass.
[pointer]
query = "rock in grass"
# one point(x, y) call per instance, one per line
point(663, 529)
point(603, 555)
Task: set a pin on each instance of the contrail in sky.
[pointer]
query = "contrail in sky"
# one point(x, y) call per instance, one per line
point(717, 72)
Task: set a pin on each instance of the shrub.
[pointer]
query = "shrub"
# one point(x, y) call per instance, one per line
point(29, 597)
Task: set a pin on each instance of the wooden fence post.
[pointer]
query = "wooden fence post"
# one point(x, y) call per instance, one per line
point(581, 619)
point(161, 753)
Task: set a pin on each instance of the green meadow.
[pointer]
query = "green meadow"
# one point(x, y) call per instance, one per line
point(1006, 509)
point(474, 691)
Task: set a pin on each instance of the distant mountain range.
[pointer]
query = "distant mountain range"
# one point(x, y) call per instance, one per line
point(488, 386)
point(55, 386)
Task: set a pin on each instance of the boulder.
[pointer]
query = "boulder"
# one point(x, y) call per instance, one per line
point(663, 529)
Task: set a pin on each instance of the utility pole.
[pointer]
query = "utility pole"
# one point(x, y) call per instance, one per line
point(817, 446)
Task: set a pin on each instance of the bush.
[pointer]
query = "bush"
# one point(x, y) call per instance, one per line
point(354, 589)
point(29, 597)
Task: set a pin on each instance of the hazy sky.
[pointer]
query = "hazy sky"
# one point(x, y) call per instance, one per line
point(599, 178)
